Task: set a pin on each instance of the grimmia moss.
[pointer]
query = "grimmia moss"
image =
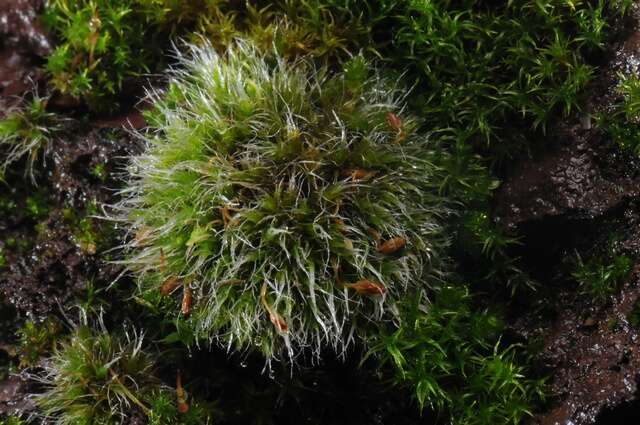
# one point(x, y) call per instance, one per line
point(101, 377)
point(295, 209)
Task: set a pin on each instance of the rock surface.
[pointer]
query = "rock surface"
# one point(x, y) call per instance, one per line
point(23, 44)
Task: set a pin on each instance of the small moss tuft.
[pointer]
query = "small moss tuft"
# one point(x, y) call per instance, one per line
point(36, 340)
point(601, 277)
point(26, 132)
point(622, 122)
point(96, 378)
point(13, 420)
point(165, 411)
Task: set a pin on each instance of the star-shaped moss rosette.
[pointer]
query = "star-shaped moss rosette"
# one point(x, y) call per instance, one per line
point(278, 206)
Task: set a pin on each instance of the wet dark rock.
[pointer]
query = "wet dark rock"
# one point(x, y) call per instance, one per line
point(56, 267)
point(590, 348)
point(572, 199)
point(134, 120)
point(592, 367)
point(20, 26)
point(14, 396)
point(53, 275)
point(23, 44)
point(17, 74)
point(75, 158)
point(567, 181)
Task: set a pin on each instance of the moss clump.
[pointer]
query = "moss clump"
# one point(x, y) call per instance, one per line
point(296, 208)
point(95, 378)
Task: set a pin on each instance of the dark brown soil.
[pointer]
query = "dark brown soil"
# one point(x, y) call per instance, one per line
point(58, 262)
point(566, 181)
point(594, 356)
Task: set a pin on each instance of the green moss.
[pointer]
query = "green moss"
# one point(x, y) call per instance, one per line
point(453, 358)
point(96, 378)
point(629, 89)
point(487, 247)
point(100, 172)
point(601, 277)
point(164, 411)
point(272, 209)
point(622, 123)
point(478, 65)
point(36, 340)
point(32, 210)
point(37, 206)
point(13, 420)
point(259, 225)
point(102, 44)
point(26, 132)
point(7, 205)
point(20, 245)
point(482, 65)
point(486, 239)
point(327, 31)
point(634, 315)
point(624, 133)
point(90, 234)
point(86, 236)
